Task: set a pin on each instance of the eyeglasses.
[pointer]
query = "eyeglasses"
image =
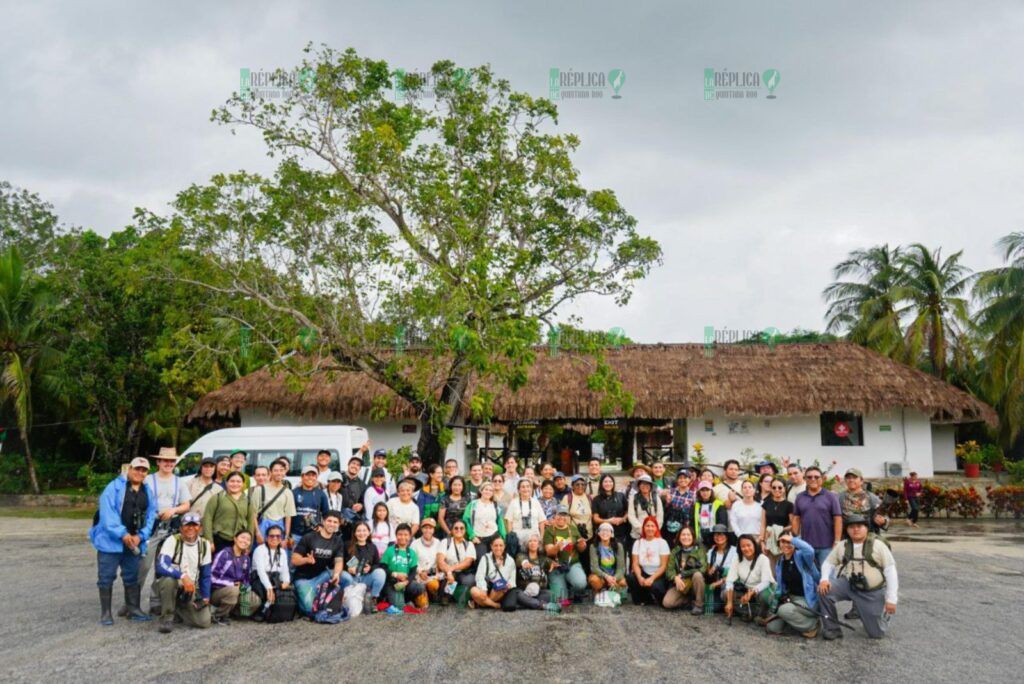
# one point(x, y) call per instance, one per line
point(813, 477)
point(780, 487)
point(273, 536)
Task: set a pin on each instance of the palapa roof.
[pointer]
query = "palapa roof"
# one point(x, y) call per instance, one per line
point(667, 381)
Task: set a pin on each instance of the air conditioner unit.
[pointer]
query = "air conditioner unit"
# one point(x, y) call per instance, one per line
point(894, 469)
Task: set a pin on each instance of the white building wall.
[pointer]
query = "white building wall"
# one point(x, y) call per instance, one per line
point(908, 441)
point(944, 448)
point(385, 434)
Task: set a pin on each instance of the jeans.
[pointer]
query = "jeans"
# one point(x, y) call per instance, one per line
point(820, 555)
point(303, 595)
point(374, 581)
point(574, 577)
point(108, 563)
point(915, 509)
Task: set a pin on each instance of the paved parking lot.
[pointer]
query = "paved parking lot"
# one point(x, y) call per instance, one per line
point(959, 619)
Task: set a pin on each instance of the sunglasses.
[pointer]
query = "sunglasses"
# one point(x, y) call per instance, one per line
point(273, 536)
point(813, 477)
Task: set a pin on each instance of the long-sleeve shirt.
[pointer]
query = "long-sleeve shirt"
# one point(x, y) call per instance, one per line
point(264, 562)
point(489, 570)
point(191, 560)
point(757, 575)
point(225, 516)
point(640, 508)
point(881, 555)
point(912, 489)
point(745, 518)
point(229, 569)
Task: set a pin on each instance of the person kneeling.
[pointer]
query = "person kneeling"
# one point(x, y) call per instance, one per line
point(400, 562)
point(229, 573)
point(495, 579)
point(687, 564)
point(183, 576)
point(865, 574)
point(750, 582)
point(318, 557)
point(797, 596)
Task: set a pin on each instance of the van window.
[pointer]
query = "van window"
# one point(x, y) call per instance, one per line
point(189, 463)
point(298, 458)
point(305, 457)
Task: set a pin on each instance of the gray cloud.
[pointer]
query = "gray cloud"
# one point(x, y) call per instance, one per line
point(893, 122)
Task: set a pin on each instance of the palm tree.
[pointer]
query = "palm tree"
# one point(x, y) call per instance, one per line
point(933, 287)
point(24, 350)
point(868, 308)
point(1001, 321)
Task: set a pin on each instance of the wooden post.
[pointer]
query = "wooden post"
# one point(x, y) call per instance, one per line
point(628, 439)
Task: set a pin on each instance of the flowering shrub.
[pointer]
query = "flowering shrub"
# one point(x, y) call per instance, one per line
point(1008, 499)
point(966, 501)
point(932, 499)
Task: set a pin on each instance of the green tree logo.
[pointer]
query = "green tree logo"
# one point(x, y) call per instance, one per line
point(771, 79)
point(615, 337)
point(245, 85)
point(769, 335)
point(617, 77)
point(461, 78)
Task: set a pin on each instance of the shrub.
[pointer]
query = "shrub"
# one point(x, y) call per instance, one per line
point(1008, 499)
point(965, 501)
point(92, 481)
point(13, 475)
point(932, 499)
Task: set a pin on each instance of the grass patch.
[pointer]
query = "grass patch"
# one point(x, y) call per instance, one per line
point(46, 512)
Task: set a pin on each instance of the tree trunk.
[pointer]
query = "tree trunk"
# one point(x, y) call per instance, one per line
point(30, 464)
point(429, 445)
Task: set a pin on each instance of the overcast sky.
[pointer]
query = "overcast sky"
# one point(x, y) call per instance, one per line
point(893, 122)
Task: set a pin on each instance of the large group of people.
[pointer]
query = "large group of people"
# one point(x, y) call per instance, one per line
point(775, 548)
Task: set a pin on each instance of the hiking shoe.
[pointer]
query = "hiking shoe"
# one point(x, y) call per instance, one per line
point(697, 610)
point(413, 610)
point(166, 626)
point(831, 636)
point(852, 614)
point(811, 633)
point(393, 610)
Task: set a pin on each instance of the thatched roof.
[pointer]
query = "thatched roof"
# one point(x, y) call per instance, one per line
point(667, 381)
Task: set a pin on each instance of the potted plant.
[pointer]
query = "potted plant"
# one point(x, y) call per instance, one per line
point(972, 456)
point(993, 454)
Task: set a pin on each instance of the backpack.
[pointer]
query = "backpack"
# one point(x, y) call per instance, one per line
point(868, 551)
point(178, 549)
point(328, 604)
point(284, 607)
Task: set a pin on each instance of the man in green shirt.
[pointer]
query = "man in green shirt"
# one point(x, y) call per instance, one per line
point(562, 541)
point(400, 563)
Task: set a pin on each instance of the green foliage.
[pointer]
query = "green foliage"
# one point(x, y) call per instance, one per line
point(398, 460)
point(13, 474)
point(94, 482)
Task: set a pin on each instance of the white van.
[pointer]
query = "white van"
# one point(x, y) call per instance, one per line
point(267, 444)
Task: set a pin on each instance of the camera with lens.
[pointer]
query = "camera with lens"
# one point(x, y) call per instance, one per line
point(858, 581)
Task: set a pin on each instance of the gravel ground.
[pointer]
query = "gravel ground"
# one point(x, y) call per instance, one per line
point(960, 599)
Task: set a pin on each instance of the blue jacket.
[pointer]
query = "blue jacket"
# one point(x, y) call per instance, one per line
point(804, 556)
point(106, 534)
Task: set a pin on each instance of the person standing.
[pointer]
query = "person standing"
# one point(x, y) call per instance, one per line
point(593, 478)
point(912, 488)
point(274, 504)
point(797, 486)
point(728, 490)
point(745, 514)
point(172, 501)
point(857, 501)
point(380, 462)
point(119, 535)
point(310, 504)
point(817, 517)
point(203, 487)
point(352, 492)
point(610, 506)
point(229, 513)
point(183, 576)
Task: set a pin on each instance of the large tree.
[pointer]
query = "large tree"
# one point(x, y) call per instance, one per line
point(456, 216)
point(26, 355)
point(867, 308)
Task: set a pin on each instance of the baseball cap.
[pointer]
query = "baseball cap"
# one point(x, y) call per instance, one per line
point(559, 473)
point(191, 519)
point(428, 521)
point(415, 457)
point(577, 478)
point(207, 460)
point(237, 451)
point(222, 457)
point(335, 476)
point(562, 510)
point(854, 472)
point(645, 478)
point(705, 485)
point(356, 458)
point(310, 469)
point(378, 472)
point(380, 453)
point(139, 462)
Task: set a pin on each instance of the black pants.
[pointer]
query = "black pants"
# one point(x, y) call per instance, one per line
point(484, 547)
point(537, 602)
point(651, 595)
point(221, 543)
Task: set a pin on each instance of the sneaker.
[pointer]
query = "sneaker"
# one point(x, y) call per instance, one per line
point(697, 610)
point(413, 610)
point(383, 606)
point(565, 603)
point(393, 610)
point(553, 608)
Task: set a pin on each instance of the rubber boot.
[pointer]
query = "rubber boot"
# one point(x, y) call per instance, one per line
point(106, 593)
point(131, 600)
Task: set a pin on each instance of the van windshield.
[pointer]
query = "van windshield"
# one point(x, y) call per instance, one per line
point(298, 458)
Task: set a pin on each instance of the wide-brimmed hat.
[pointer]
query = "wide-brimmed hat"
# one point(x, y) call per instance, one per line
point(411, 479)
point(643, 467)
point(766, 462)
point(167, 454)
point(644, 478)
point(719, 529)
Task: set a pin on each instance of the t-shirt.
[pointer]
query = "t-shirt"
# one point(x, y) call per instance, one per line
point(170, 493)
point(325, 551)
point(745, 518)
point(190, 561)
point(281, 508)
point(706, 515)
point(408, 513)
point(399, 560)
point(383, 534)
point(606, 559)
point(649, 553)
point(426, 556)
point(567, 554)
point(456, 553)
point(816, 517)
point(197, 487)
point(722, 490)
point(792, 577)
point(795, 491)
point(484, 519)
point(310, 509)
point(777, 512)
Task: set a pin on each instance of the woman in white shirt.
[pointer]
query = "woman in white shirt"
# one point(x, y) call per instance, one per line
point(650, 552)
point(455, 560)
point(523, 515)
point(745, 514)
point(404, 509)
point(750, 581)
point(270, 563)
point(495, 579)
